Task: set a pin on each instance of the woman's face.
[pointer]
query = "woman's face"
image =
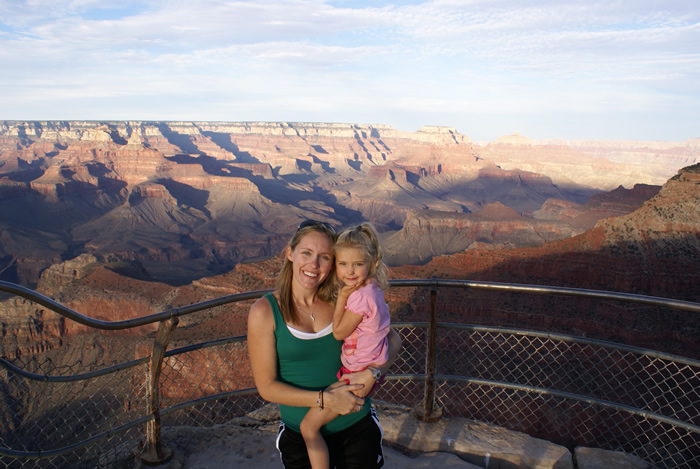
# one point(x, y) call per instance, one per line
point(312, 259)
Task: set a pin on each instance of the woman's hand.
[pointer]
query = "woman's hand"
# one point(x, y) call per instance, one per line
point(364, 377)
point(339, 398)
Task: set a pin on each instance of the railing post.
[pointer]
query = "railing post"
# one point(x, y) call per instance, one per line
point(426, 411)
point(154, 452)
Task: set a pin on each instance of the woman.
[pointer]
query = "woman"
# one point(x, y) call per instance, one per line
point(295, 358)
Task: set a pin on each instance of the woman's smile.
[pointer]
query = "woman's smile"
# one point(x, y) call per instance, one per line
point(312, 259)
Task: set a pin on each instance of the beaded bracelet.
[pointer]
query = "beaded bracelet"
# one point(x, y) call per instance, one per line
point(320, 399)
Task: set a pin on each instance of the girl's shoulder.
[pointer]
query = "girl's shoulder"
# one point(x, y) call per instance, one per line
point(366, 292)
point(372, 285)
point(366, 288)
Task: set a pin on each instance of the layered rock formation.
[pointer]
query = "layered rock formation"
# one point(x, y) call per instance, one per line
point(429, 233)
point(601, 164)
point(654, 250)
point(192, 199)
point(641, 240)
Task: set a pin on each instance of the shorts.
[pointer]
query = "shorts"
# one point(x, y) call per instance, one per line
point(357, 447)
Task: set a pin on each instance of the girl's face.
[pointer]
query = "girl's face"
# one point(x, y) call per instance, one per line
point(351, 267)
point(312, 259)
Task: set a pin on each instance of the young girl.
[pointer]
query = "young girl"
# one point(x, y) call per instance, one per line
point(361, 319)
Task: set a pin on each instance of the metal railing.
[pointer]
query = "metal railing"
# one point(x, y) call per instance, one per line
point(573, 391)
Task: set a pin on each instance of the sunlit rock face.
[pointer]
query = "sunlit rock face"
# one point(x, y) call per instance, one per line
point(192, 199)
point(601, 164)
point(653, 250)
point(96, 215)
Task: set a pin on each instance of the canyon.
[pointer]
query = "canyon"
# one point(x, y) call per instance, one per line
point(119, 220)
point(653, 250)
point(189, 200)
point(122, 220)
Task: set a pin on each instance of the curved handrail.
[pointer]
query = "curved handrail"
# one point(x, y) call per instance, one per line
point(566, 338)
point(111, 369)
point(399, 377)
point(431, 283)
point(576, 397)
point(78, 445)
point(566, 291)
point(121, 428)
point(67, 379)
point(126, 323)
point(442, 325)
point(434, 282)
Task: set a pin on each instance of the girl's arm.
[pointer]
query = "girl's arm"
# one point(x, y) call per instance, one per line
point(263, 361)
point(344, 324)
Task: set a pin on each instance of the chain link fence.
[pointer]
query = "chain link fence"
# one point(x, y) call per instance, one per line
point(568, 390)
point(52, 409)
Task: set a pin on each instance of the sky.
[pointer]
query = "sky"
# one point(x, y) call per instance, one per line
point(569, 69)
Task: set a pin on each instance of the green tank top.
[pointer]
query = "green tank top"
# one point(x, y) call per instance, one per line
point(308, 364)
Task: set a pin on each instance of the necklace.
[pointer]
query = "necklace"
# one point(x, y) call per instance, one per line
point(303, 310)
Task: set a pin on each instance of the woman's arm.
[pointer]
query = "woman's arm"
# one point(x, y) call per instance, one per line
point(366, 377)
point(263, 362)
point(394, 350)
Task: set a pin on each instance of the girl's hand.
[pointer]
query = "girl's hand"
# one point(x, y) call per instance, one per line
point(364, 377)
point(339, 398)
point(346, 290)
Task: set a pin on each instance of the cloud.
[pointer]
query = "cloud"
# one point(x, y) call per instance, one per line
point(341, 60)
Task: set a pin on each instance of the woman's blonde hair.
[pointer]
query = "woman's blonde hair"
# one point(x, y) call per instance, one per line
point(285, 276)
point(365, 237)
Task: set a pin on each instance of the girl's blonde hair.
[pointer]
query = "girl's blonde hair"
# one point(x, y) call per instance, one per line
point(284, 279)
point(365, 237)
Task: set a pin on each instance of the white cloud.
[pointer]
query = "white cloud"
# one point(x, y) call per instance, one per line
point(341, 61)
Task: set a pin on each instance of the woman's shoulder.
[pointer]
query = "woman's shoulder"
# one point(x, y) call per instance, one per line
point(262, 309)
